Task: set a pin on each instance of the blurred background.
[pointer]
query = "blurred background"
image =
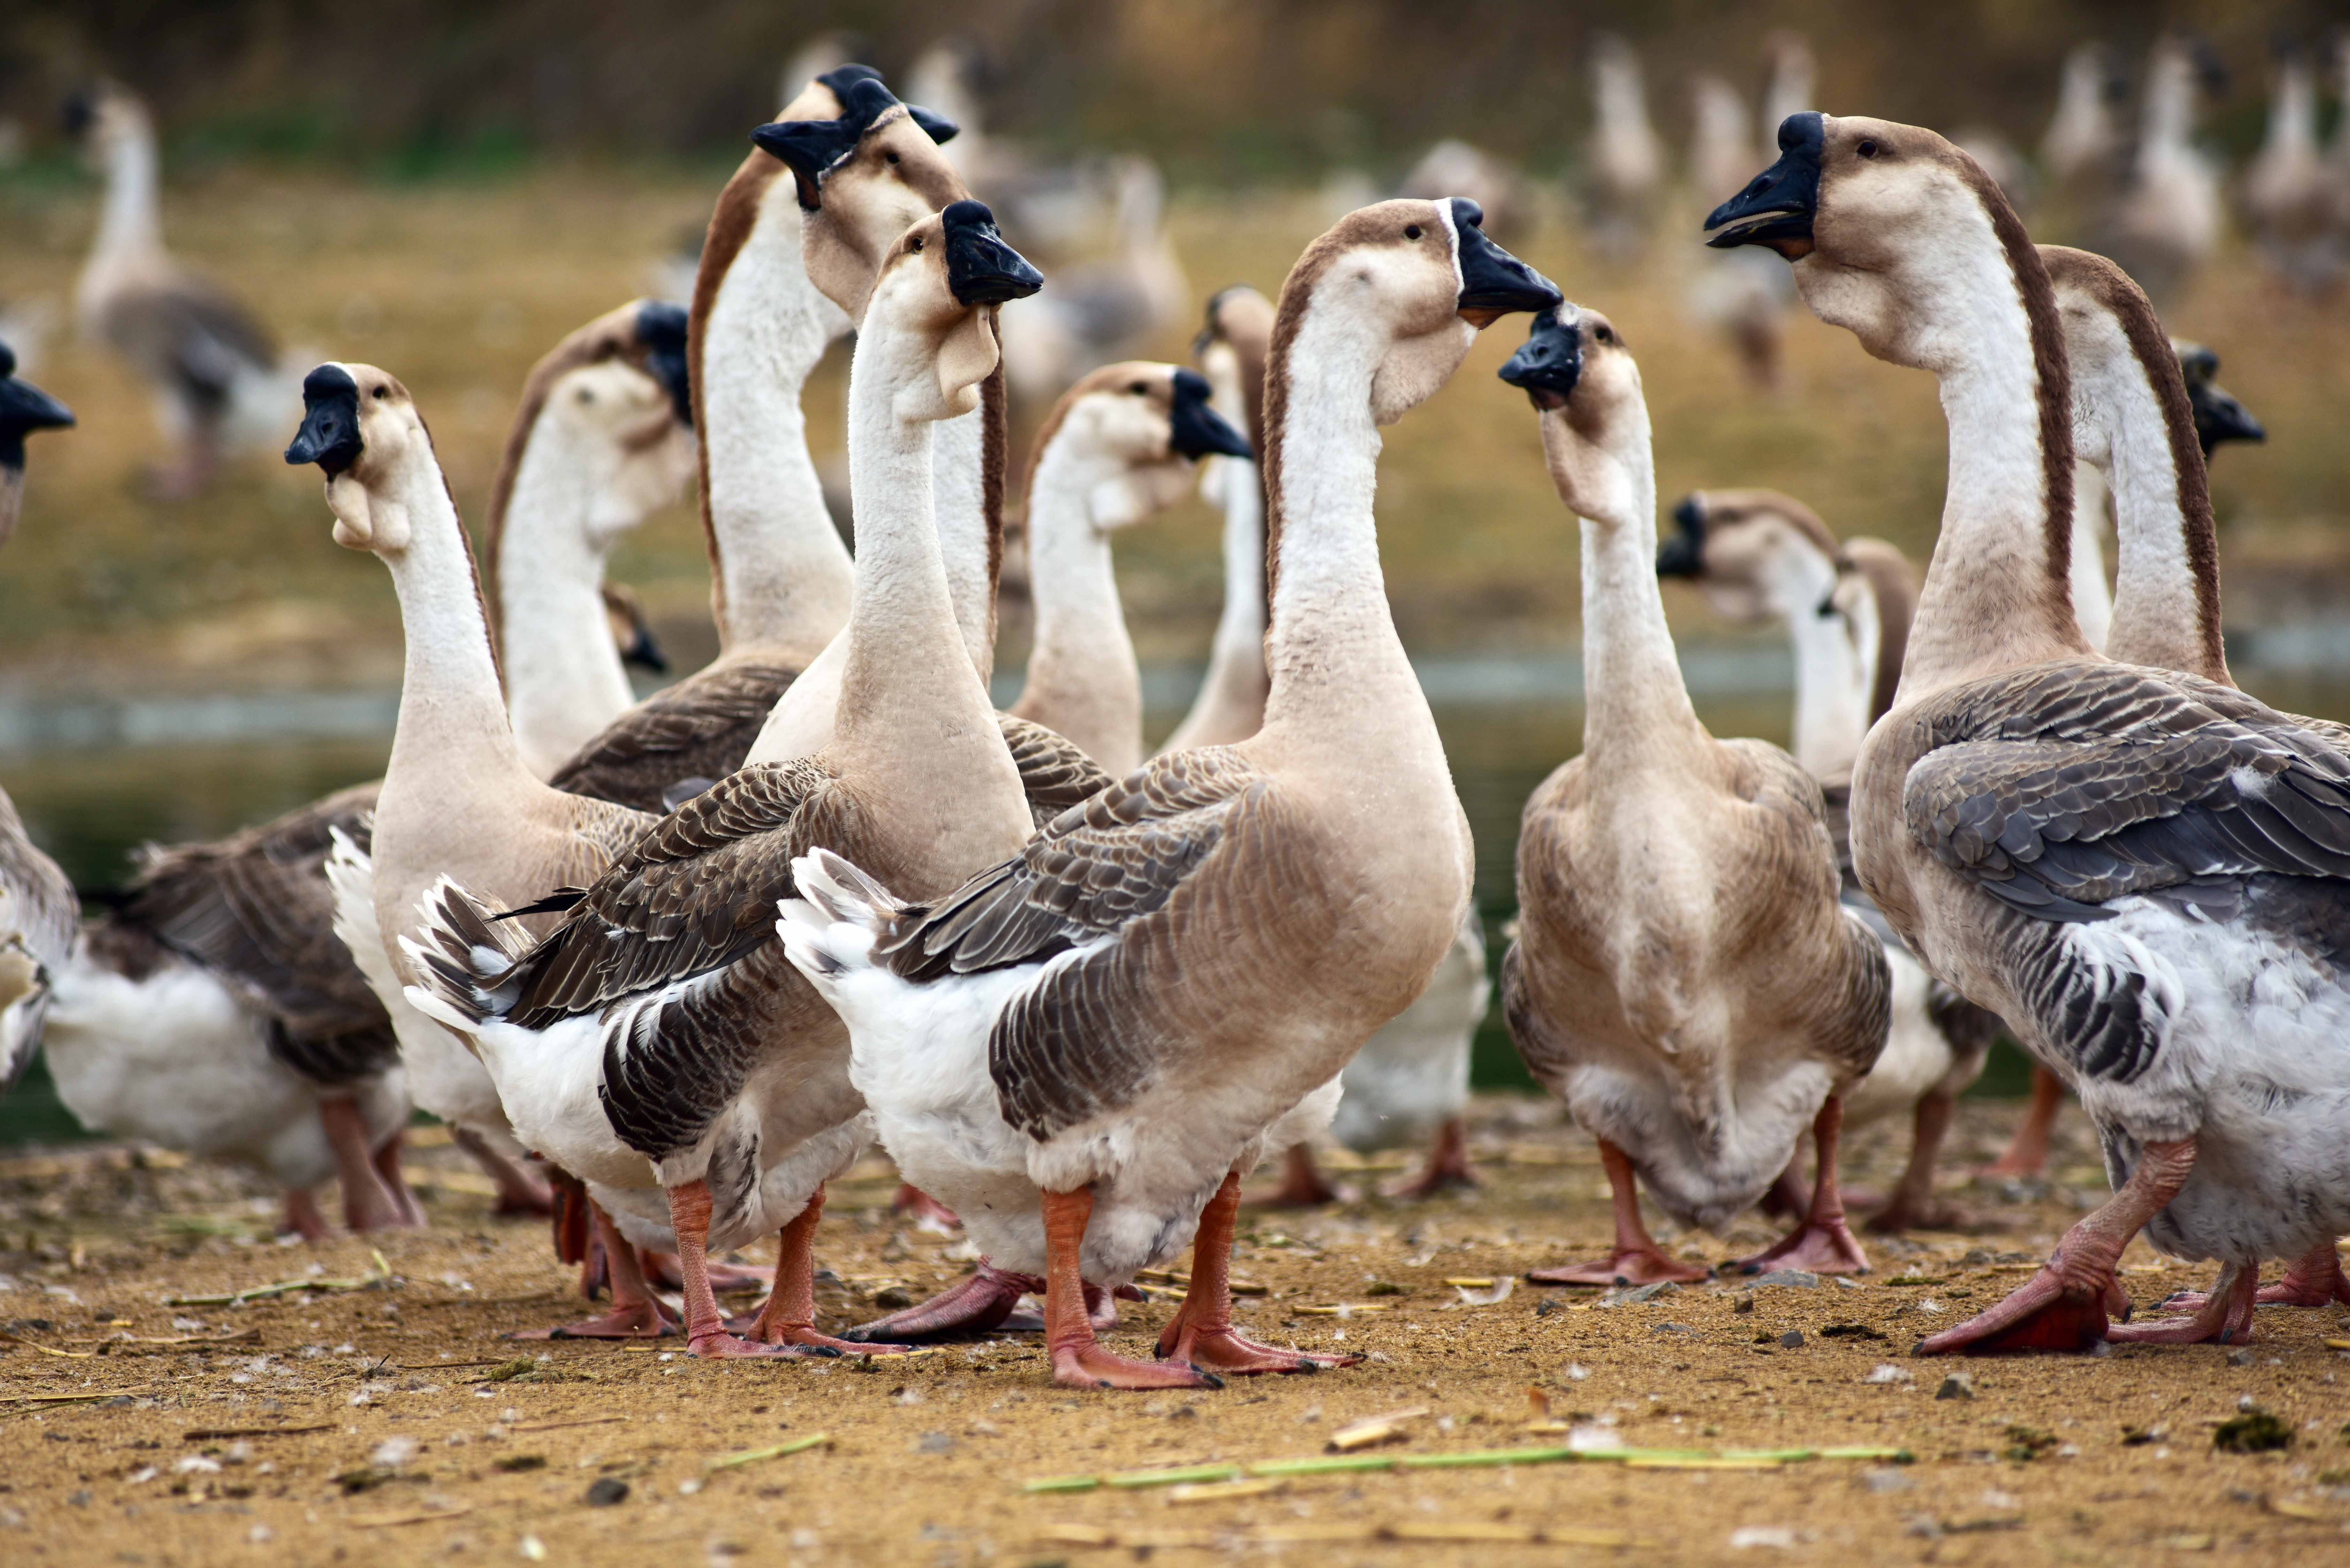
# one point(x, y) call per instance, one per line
point(446, 189)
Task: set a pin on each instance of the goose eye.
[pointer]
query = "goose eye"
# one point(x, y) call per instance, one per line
point(1604, 336)
point(586, 396)
point(915, 243)
point(380, 393)
point(1141, 389)
point(1411, 231)
point(1867, 150)
point(891, 158)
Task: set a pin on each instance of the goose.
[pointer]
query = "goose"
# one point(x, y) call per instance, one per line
point(1119, 447)
point(2287, 198)
point(2134, 866)
point(1721, 148)
point(1453, 166)
point(703, 1065)
point(2085, 140)
point(1684, 976)
point(1081, 1049)
point(1758, 555)
point(1626, 161)
point(1105, 309)
point(1791, 86)
point(214, 1008)
point(1733, 295)
point(213, 367)
point(37, 910)
point(2164, 225)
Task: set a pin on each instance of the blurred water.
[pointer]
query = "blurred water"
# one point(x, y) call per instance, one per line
point(95, 780)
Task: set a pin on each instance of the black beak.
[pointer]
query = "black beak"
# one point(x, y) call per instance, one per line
point(815, 148)
point(329, 435)
point(981, 268)
point(660, 327)
point(645, 653)
point(78, 113)
point(937, 126)
point(1683, 554)
point(1776, 207)
point(23, 408)
point(1493, 283)
point(1195, 428)
point(2220, 418)
point(1550, 361)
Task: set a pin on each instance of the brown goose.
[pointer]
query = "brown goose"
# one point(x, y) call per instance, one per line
point(1684, 976)
point(2136, 867)
point(1082, 1048)
point(655, 1039)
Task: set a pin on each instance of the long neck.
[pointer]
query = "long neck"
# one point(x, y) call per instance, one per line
point(2093, 599)
point(452, 729)
point(1334, 663)
point(781, 575)
point(565, 680)
point(1082, 676)
point(967, 500)
point(130, 225)
point(2293, 112)
point(2167, 589)
point(1996, 593)
point(1835, 662)
point(1635, 704)
point(1231, 704)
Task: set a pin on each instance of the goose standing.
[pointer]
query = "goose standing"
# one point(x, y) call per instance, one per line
point(657, 1036)
point(1684, 976)
point(1082, 1049)
point(1760, 556)
point(2166, 222)
point(1105, 309)
point(2084, 142)
point(214, 365)
point(1628, 163)
point(2136, 867)
point(2287, 194)
point(37, 910)
point(1742, 299)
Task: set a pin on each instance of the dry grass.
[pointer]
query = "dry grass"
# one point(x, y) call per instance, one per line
point(457, 288)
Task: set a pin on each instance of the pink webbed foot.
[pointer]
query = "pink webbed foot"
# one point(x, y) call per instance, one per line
point(2049, 1312)
point(725, 1346)
point(2224, 1316)
point(1625, 1266)
point(926, 1211)
point(1821, 1245)
point(1301, 1186)
point(980, 1304)
point(1089, 1366)
point(645, 1320)
point(303, 1217)
point(1224, 1351)
point(1447, 1171)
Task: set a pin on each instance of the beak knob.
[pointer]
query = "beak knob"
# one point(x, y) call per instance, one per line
point(1493, 283)
point(981, 269)
point(329, 435)
point(1196, 430)
point(1549, 363)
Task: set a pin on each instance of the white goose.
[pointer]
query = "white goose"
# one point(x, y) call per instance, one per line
point(1684, 976)
point(2287, 196)
point(1082, 1049)
point(38, 909)
point(2136, 867)
point(1626, 161)
point(657, 1038)
point(2166, 222)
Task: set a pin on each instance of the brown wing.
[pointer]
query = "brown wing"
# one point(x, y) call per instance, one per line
point(1054, 772)
point(192, 332)
point(696, 892)
point(702, 727)
point(256, 910)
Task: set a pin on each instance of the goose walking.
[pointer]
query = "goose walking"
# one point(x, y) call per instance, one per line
point(1083, 1048)
point(1762, 555)
point(213, 365)
point(37, 910)
point(2135, 868)
point(657, 1037)
point(1684, 976)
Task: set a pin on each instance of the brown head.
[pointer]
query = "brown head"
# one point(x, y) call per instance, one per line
point(1577, 370)
point(1138, 427)
point(937, 293)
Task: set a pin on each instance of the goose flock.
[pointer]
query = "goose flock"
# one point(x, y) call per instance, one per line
point(668, 968)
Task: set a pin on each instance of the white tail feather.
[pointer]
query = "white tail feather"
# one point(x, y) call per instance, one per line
point(830, 932)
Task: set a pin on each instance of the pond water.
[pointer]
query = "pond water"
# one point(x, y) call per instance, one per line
point(94, 780)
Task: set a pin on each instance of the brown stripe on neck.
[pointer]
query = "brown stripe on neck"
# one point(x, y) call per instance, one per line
point(2052, 372)
point(994, 437)
point(730, 222)
point(1296, 294)
point(1893, 583)
point(2150, 345)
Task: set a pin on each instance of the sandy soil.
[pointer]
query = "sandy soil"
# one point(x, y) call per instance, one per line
point(356, 1424)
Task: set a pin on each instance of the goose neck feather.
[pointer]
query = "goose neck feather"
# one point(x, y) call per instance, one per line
point(1083, 681)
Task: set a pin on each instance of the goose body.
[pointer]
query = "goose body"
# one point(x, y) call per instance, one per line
point(2164, 222)
point(1684, 976)
point(1628, 163)
point(1079, 1049)
point(2153, 926)
point(1103, 310)
point(2287, 196)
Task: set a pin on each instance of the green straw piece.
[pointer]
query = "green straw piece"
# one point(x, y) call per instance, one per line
point(1488, 1457)
point(1781, 1456)
point(797, 1445)
point(1891, 1456)
point(1175, 1478)
point(1340, 1466)
point(1062, 1484)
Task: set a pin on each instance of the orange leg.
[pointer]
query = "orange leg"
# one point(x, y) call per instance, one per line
point(1202, 1333)
point(368, 1205)
point(302, 1215)
point(1078, 1359)
point(928, 1212)
point(705, 1330)
point(2222, 1317)
point(1301, 1187)
point(1823, 1243)
point(2027, 1153)
point(789, 1316)
point(395, 1180)
point(637, 1312)
point(519, 1191)
point(1448, 1165)
point(1913, 1205)
point(2069, 1304)
point(1638, 1259)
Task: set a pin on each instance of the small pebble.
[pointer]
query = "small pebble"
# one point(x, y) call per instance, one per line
point(2241, 1358)
point(608, 1491)
point(1957, 1386)
point(935, 1443)
point(1882, 1481)
point(1793, 1339)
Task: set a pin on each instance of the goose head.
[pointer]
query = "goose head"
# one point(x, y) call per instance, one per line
point(936, 296)
point(358, 425)
point(866, 171)
point(1231, 350)
point(23, 408)
point(1888, 226)
point(2219, 417)
point(622, 419)
point(1575, 370)
point(1137, 429)
point(1418, 280)
point(1756, 555)
point(632, 629)
point(104, 116)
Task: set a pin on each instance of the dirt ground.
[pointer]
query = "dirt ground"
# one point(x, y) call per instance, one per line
point(355, 1421)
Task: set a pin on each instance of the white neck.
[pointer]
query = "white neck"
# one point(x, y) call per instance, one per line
point(2165, 612)
point(2093, 599)
point(1231, 703)
point(1083, 681)
point(130, 228)
point(1835, 660)
point(969, 538)
point(783, 574)
point(453, 726)
point(2293, 114)
point(565, 680)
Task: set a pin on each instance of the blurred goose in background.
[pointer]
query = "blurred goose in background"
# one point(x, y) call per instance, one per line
point(37, 909)
point(1454, 167)
point(2083, 147)
point(1684, 976)
point(1057, 208)
point(1627, 162)
point(1794, 82)
point(2288, 200)
point(1095, 311)
point(213, 367)
point(1744, 298)
point(2165, 223)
